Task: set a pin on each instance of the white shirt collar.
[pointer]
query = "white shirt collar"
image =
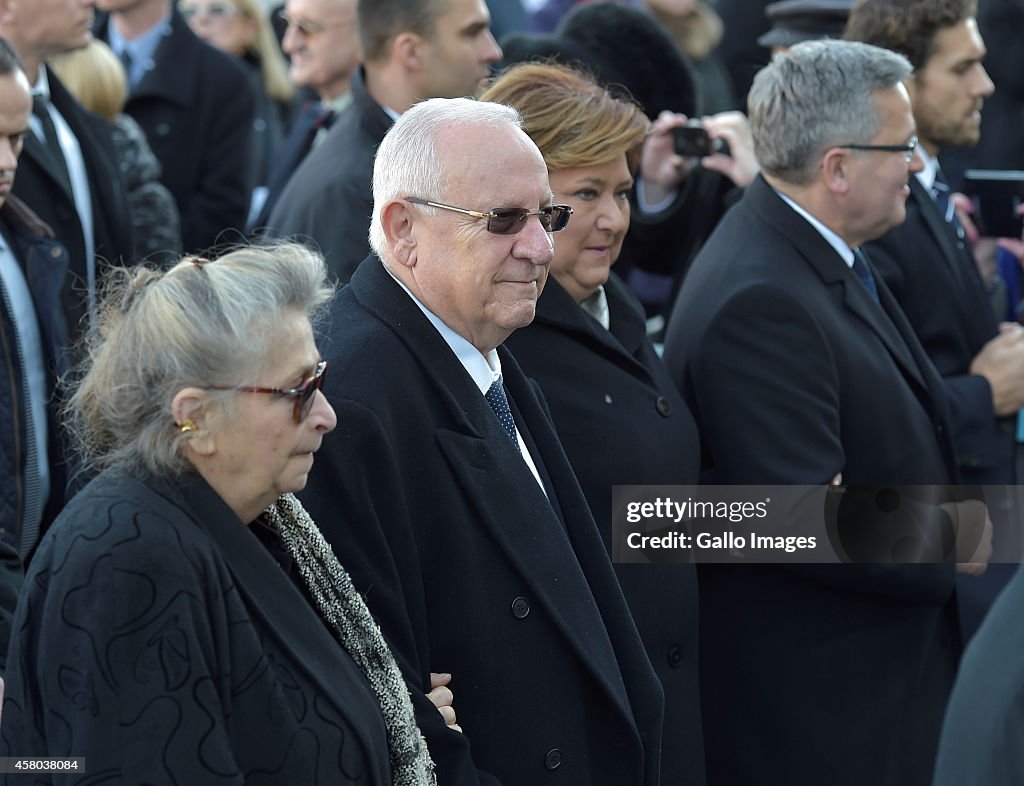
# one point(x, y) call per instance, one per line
point(484, 369)
point(931, 169)
point(42, 85)
point(833, 239)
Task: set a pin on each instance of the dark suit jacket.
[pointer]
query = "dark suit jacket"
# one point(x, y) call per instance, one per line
point(794, 374)
point(469, 568)
point(985, 721)
point(329, 200)
point(196, 106)
point(622, 421)
point(40, 187)
point(932, 275)
point(158, 638)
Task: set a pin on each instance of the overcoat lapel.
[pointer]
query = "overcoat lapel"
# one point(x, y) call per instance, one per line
point(833, 271)
point(619, 344)
point(271, 596)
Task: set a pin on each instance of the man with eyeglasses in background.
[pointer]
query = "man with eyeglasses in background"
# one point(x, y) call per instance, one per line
point(928, 265)
point(413, 50)
point(800, 367)
point(322, 42)
point(447, 493)
point(196, 107)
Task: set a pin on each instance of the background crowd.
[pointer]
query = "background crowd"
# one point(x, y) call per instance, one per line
point(206, 199)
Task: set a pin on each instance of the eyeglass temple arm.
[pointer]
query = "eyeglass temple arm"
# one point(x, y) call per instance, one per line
point(443, 206)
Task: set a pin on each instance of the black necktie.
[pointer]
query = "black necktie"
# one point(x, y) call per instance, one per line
point(41, 109)
point(863, 272)
point(499, 403)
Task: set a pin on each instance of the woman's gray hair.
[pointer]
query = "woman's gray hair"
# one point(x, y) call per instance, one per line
point(201, 323)
point(817, 95)
point(408, 163)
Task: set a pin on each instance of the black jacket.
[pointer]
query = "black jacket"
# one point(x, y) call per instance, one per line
point(932, 275)
point(44, 262)
point(158, 638)
point(329, 200)
point(38, 186)
point(469, 567)
point(622, 421)
point(196, 107)
point(812, 673)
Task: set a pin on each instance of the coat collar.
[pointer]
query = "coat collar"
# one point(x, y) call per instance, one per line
point(886, 321)
point(626, 331)
point(270, 595)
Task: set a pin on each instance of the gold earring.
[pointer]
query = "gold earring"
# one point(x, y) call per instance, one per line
point(188, 426)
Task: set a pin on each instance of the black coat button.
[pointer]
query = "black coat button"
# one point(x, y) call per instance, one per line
point(664, 408)
point(675, 656)
point(553, 760)
point(520, 608)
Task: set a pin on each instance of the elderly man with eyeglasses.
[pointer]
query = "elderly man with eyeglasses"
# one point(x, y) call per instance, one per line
point(196, 106)
point(799, 366)
point(448, 494)
point(322, 43)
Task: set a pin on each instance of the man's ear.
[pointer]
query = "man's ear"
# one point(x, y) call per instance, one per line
point(835, 167)
point(191, 411)
point(407, 50)
point(397, 219)
point(6, 12)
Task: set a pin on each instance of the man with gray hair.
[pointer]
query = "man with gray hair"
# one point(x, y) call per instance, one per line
point(447, 494)
point(800, 367)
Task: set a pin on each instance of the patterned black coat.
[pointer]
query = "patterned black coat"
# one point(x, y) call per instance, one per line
point(160, 640)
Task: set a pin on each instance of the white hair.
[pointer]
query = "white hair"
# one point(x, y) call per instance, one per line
point(408, 163)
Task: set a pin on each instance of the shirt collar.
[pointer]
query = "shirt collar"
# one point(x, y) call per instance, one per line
point(840, 245)
point(42, 85)
point(596, 304)
point(931, 169)
point(143, 48)
point(484, 369)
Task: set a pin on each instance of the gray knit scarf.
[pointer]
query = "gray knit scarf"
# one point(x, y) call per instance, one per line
point(347, 616)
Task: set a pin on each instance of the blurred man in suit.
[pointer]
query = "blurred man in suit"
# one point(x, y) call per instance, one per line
point(196, 106)
point(322, 42)
point(799, 366)
point(33, 338)
point(928, 264)
point(68, 172)
point(448, 495)
point(413, 49)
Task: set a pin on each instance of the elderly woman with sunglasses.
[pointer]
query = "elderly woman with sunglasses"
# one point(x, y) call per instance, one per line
point(181, 620)
point(614, 405)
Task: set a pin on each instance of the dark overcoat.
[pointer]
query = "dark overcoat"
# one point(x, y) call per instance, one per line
point(196, 106)
point(40, 186)
point(158, 638)
point(469, 566)
point(823, 673)
point(931, 273)
point(329, 200)
point(622, 421)
point(985, 721)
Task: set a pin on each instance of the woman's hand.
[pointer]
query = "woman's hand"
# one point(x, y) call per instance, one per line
point(442, 697)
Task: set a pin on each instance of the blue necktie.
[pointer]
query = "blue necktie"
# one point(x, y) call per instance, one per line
point(496, 398)
point(863, 272)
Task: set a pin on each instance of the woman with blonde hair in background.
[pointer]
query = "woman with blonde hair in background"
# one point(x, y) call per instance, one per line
point(95, 76)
